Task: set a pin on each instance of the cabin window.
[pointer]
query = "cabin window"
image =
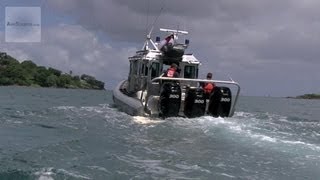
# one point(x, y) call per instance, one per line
point(190, 72)
point(165, 67)
point(135, 68)
point(144, 69)
point(197, 73)
point(130, 70)
point(155, 68)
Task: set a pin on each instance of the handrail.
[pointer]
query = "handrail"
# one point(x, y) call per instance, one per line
point(206, 80)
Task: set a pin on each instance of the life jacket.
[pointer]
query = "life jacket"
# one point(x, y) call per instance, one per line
point(208, 88)
point(170, 72)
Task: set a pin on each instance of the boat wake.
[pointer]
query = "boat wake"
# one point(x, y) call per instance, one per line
point(264, 130)
point(146, 120)
point(177, 147)
point(259, 129)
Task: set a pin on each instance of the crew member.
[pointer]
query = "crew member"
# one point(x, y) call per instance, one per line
point(208, 87)
point(172, 71)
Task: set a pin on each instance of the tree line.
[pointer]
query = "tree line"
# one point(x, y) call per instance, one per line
point(309, 96)
point(27, 73)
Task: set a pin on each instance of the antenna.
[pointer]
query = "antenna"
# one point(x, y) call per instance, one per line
point(156, 19)
point(149, 35)
point(148, 8)
point(145, 46)
point(173, 31)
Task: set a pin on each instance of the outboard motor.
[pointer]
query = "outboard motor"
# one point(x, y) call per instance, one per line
point(170, 99)
point(220, 102)
point(195, 102)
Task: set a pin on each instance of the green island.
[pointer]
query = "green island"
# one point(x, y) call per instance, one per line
point(307, 96)
point(27, 73)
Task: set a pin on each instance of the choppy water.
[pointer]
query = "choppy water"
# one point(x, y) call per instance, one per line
point(51, 134)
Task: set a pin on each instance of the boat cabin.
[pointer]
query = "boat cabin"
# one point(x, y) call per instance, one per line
point(147, 66)
point(150, 63)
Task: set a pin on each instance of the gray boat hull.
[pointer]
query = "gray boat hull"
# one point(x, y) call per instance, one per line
point(125, 103)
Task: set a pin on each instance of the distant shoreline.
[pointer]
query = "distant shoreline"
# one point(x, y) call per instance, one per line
point(29, 74)
point(52, 87)
point(306, 96)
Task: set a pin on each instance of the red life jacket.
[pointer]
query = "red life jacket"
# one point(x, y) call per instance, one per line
point(170, 72)
point(208, 88)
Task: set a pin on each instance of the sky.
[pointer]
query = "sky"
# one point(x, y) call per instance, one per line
point(270, 47)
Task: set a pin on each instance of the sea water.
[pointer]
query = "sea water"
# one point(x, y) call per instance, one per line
point(50, 134)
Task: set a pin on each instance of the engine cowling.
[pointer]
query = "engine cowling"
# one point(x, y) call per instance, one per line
point(170, 99)
point(220, 102)
point(195, 102)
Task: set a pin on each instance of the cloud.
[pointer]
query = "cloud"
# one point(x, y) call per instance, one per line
point(261, 44)
point(72, 47)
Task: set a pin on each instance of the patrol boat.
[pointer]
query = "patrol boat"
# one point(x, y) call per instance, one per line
point(147, 92)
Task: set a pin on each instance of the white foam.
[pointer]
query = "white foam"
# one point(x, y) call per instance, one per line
point(98, 109)
point(254, 116)
point(227, 175)
point(45, 174)
point(313, 157)
point(99, 168)
point(236, 128)
point(64, 107)
point(275, 139)
point(146, 120)
point(209, 120)
point(72, 174)
point(192, 167)
point(250, 128)
point(242, 114)
point(264, 138)
point(311, 146)
point(44, 177)
point(13, 121)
